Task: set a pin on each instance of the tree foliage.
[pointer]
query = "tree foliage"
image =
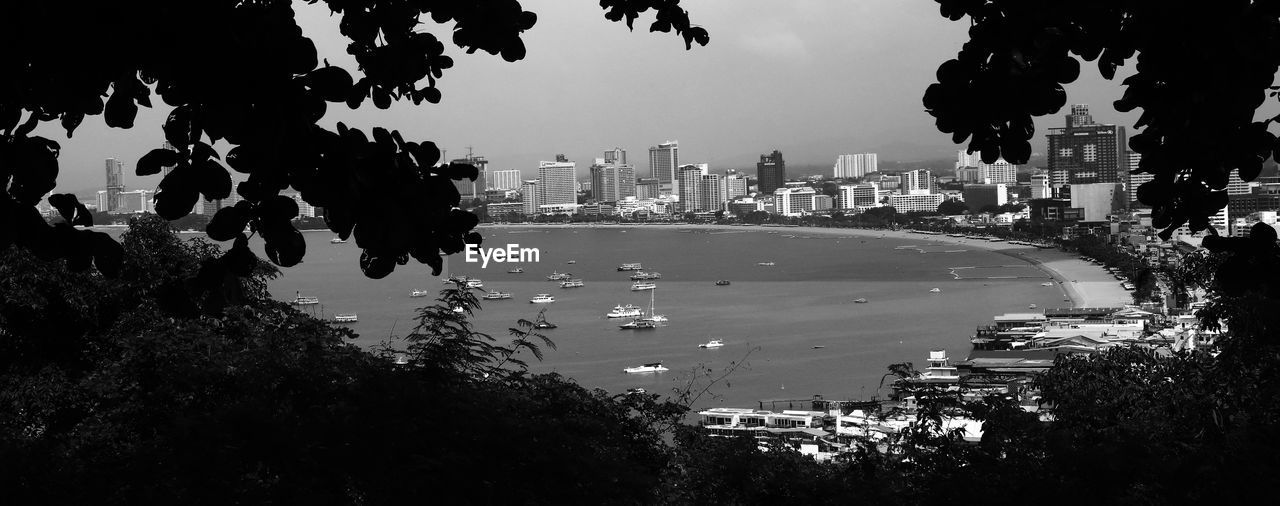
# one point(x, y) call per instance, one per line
point(246, 90)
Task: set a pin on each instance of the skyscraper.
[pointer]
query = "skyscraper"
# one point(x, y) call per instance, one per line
point(1040, 186)
point(771, 171)
point(615, 156)
point(115, 184)
point(610, 182)
point(689, 176)
point(557, 182)
point(710, 196)
point(472, 189)
point(917, 182)
point(1086, 152)
point(735, 185)
point(851, 166)
point(664, 159)
point(529, 196)
point(503, 180)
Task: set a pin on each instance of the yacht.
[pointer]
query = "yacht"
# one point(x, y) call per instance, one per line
point(860, 300)
point(642, 275)
point(517, 270)
point(638, 324)
point(418, 293)
point(304, 301)
point(714, 343)
point(723, 282)
point(572, 283)
point(641, 285)
point(654, 367)
point(628, 311)
point(496, 296)
point(653, 315)
point(559, 276)
point(542, 298)
point(474, 283)
point(345, 318)
point(337, 240)
point(935, 290)
point(630, 267)
point(766, 264)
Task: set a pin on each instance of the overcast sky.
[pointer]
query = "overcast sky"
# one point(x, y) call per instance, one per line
point(813, 78)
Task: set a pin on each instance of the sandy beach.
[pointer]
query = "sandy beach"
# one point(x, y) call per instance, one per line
point(1085, 284)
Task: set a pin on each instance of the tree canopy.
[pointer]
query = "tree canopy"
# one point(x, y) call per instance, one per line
point(247, 89)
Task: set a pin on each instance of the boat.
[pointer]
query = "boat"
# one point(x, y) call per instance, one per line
point(653, 315)
point(935, 290)
point(860, 300)
point(819, 347)
point(474, 283)
point(1047, 283)
point(345, 318)
point(641, 285)
point(401, 359)
point(337, 240)
point(455, 279)
point(766, 264)
point(542, 298)
point(642, 275)
point(723, 282)
point(418, 293)
point(571, 262)
point(653, 367)
point(572, 283)
point(559, 276)
point(543, 324)
point(628, 311)
point(517, 270)
point(638, 324)
point(635, 391)
point(1031, 306)
point(630, 267)
point(496, 296)
point(714, 343)
point(458, 309)
point(299, 300)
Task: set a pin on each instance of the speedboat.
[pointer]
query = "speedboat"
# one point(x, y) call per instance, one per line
point(628, 311)
point(638, 324)
point(474, 283)
point(630, 267)
point(1047, 283)
point(714, 343)
point(654, 367)
point(517, 270)
point(860, 300)
point(723, 282)
point(766, 264)
point(542, 298)
point(571, 262)
point(572, 283)
point(935, 290)
point(496, 296)
point(640, 285)
point(337, 240)
point(418, 293)
point(543, 324)
point(559, 276)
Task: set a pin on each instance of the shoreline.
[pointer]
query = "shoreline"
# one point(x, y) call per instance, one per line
point(1085, 284)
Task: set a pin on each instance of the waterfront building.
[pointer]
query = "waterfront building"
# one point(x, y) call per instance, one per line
point(854, 166)
point(648, 188)
point(823, 202)
point(499, 211)
point(1086, 152)
point(610, 182)
point(136, 201)
point(793, 201)
point(916, 202)
point(530, 193)
point(1040, 186)
point(971, 169)
point(469, 189)
point(1098, 201)
point(710, 193)
point(104, 202)
point(743, 206)
point(733, 185)
point(664, 159)
point(771, 172)
point(503, 180)
point(978, 196)
point(115, 184)
point(859, 195)
point(305, 210)
point(917, 182)
point(687, 183)
point(556, 182)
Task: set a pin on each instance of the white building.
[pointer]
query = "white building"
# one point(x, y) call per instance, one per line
point(710, 194)
point(793, 201)
point(1240, 227)
point(915, 202)
point(1040, 186)
point(664, 160)
point(734, 185)
point(1133, 181)
point(503, 180)
point(917, 182)
point(530, 195)
point(851, 166)
point(864, 195)
point(986, 173)
point(1098, 200)
point(557, 183)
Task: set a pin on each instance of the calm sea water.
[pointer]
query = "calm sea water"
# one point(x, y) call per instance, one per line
point(770, 318)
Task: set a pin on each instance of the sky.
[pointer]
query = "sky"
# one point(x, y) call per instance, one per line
point(812, 78)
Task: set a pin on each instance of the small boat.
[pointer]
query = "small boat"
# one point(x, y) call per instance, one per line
point(714, 343)
point(642, 275)
point(819, 347)
point(559, 276)
point(635, 391)
point(337, 240)
point(766, 264)
point(418, 293)
point(401, 359)
point(345, 318)
point(630, 267)
point(628, 311)
point(653, 367)
point(458, 309)
point(542, 298)
point(496, 296)
point(935, 290)
point(455, 279)
point(517, 270)
point(1031, 306)
point(723, 282)
point(543, 324)
point(304, 301)
point(639, 324)
point(860, 300)
point(1047, 283)
point(572, 283)
point(640, 285)
point(474, 283)
point(571, 262)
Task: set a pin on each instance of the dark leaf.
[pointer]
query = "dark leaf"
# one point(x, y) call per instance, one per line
point(228, 223)
point(71, 120)
point(155, 160)
point(330, 83)
point(240, 260)
point(177, 128)
point(215, 181)
point(121, 110)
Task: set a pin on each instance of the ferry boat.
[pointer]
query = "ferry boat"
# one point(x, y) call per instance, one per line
point(714, 343)
point(572, 283)
point(559, 276)
point(542, 298)
point(935, 290)
point(640, 285)
point(474, 283)
point(642, 275)
point(630, 267)
point(860, 300)
point(496, 296)
point(345, 318)
point(638, 324)
point(517, 270)
point(305, 301)
point(653, 367)
point(418, 293)
point(628, 311)
point(337, 240)
point(766, 264)
point(723, 282)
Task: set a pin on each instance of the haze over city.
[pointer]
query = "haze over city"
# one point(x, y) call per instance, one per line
point(814, 80)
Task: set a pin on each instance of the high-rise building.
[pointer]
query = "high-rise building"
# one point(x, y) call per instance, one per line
point(1040, 186)
point(687, 182)
point(664, 159)
point(164, 171)
point(710, 196)
point(1097, 200)
point(648, 188)
point(1086, 152)
point(735, 185)
point(851, 166)
point(557, 183)
point(115, 184)
point(859, 195)
point(615, 156)
point(503, 180)
point(978, 196)
point(906, 203)
point(985, 173)
point(472, 189)
point(1236, 185)
point(796, 201)
point(917, 182)
point(610, 182)
point(771, 172)
point(529, 195)
point(1133, 181)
